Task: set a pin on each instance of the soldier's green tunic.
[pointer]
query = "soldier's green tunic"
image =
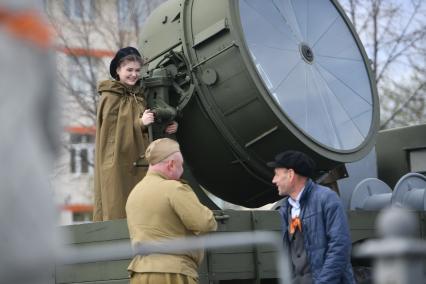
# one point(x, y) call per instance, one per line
point(120, 141)
point(162, 209)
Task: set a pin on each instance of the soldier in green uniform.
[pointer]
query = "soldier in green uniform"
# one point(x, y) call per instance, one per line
point(163, 207)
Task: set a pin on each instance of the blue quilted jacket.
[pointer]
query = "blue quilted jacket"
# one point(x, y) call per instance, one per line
point(326, 234)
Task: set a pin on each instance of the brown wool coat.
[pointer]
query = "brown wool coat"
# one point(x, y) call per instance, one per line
point(159, 208)
point(120, 141)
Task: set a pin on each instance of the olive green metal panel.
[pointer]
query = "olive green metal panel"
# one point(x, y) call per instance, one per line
point(97, 231)
point(92, 272)
point(86, 236)
point(210, 32)
point(167, 19)
point(245, 262)
point(232, 266)
point(393, 147)
point(242, 265)
point(238, 221)
point(267, 220)
point(121, 281)
point(362, 225)
point(266, 264)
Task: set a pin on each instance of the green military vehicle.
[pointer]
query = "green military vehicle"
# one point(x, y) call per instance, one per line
point(247, 79)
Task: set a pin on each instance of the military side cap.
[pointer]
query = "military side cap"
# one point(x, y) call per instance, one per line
point(301, 163)
point(160, 149)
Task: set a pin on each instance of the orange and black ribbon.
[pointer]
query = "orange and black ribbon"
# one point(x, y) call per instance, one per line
point(295, 224)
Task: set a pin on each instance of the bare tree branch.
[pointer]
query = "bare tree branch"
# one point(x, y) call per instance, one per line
point(403, 105)
point(394, 35)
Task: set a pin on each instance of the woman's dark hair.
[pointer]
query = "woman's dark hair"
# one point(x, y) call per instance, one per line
point(124, 54)
point(130, 58)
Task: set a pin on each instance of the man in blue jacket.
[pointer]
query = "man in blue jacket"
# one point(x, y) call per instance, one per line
point(315, 227)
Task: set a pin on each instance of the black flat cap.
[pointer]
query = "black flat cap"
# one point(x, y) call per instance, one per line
point(301, 163)
point(123, 52)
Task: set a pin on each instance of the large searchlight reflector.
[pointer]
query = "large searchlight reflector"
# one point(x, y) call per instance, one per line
point(251, 78)
point(312, 67)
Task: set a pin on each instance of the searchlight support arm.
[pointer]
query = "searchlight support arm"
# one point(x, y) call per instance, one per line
point(168, 89)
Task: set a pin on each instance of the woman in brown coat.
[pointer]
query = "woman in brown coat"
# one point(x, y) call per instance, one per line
point(121, 136)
